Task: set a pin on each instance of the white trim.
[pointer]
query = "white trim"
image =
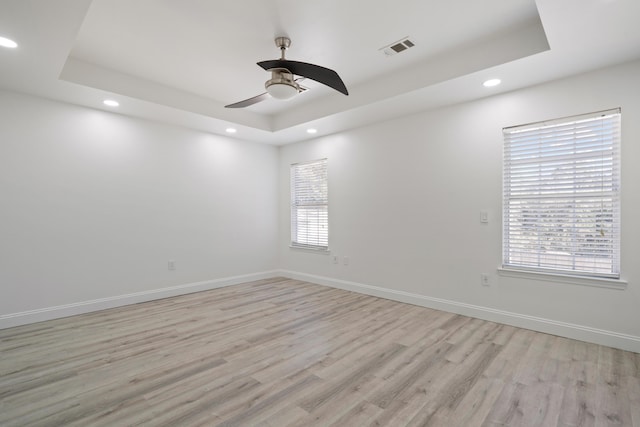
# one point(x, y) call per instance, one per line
point(316, 250)
point(48, 313)
point(599, 282)
point(564, 119)
point(569, 330)
point(549, 326)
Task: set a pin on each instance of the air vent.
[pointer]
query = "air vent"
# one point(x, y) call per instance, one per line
point(397, 47)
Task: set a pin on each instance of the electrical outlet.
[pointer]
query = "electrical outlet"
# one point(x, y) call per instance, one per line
point(484, 280)
point(171, 264)
point(336, 259)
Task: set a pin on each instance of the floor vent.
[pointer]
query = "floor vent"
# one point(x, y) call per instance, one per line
point(397, 47)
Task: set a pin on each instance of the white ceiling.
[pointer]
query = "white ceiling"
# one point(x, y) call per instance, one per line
point(181, 61)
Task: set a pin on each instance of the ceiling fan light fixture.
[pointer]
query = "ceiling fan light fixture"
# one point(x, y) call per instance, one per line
point(282, 85)
point(282, 90)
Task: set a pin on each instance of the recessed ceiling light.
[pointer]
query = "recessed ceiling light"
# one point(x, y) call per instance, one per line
point(492, 82)
point(110, 103)
point(5, 42)
point(312, 130)
point(231, 130)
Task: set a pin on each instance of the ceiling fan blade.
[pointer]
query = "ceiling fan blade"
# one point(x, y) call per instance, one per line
point(250, 101)
point(314, 72)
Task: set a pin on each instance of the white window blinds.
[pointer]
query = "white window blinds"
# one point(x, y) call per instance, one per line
point(309, 205)
point(561, 195)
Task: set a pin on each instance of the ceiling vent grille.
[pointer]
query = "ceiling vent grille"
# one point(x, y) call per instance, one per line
point(397, 47)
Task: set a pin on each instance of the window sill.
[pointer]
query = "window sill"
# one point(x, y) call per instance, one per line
point(599, 282)
point(325, 251)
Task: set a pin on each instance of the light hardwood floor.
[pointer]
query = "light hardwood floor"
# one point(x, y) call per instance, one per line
point(281, 352)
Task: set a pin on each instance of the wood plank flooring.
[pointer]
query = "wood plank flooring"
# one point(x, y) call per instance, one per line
point(281, 352)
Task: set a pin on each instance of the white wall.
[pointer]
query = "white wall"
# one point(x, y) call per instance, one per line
point(94, 204)
point(405, 199)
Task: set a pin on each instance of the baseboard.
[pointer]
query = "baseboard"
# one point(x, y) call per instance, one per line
point(49, 313)
point(554, 327)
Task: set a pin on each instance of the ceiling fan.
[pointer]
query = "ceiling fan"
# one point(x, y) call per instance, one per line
point(283, 84)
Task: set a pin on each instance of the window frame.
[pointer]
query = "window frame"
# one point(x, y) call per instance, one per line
point(593, 277)
point(320, 205)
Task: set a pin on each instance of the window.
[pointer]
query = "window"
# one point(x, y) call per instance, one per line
point(309, 205)
point(561, 196)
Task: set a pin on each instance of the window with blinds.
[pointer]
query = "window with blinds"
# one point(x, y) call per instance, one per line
point(561, 196)
point(309, 205)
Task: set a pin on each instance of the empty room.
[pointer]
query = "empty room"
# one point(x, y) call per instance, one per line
point(320, 213)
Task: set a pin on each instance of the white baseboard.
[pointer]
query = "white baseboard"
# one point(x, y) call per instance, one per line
point(49, 313)
point(554, 327)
